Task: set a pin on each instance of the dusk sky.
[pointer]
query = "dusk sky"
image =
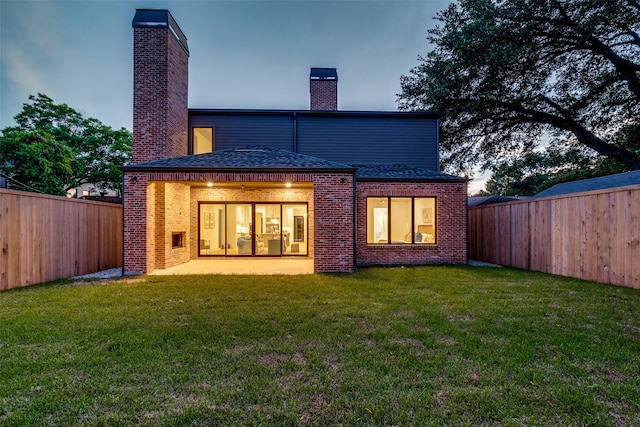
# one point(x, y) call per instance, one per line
point(244, 54)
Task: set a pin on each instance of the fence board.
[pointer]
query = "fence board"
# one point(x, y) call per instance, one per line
point(583, 238)
point(44, 238)
point(634, 240)
point(523, 256)
point(592, 235)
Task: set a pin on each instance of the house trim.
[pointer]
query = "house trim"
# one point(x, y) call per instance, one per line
point(324, 113)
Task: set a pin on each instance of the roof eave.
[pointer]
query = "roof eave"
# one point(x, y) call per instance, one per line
point(343, 113)
point(454, 179)
point(134, 168)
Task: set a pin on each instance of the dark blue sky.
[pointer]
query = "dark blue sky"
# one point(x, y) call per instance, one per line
point(244, 54)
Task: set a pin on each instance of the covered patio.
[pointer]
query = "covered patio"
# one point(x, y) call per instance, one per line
point(257, 202)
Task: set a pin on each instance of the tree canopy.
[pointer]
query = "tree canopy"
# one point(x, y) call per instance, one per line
point(54, 148)
point(508, 72)
point(535, 171)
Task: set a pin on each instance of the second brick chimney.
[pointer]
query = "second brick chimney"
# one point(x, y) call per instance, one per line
point(323, 86)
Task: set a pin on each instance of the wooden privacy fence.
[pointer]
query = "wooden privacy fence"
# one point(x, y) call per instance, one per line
point(592, 235)
point(45, 238)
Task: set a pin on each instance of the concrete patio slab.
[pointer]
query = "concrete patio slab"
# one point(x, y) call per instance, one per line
point(257, 266)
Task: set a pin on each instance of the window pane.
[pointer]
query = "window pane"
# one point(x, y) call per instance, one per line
point(294, 228)
point(269, 237)
point(400, 220)
point(377, 220)
point(212, 234)
point(202, 140)
point(239, 239)
point(425, 220)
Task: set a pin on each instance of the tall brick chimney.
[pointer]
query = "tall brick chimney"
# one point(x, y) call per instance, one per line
point(160, 85)
point(323, 86)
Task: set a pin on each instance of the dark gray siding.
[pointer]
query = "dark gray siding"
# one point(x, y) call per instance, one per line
point(370, 140)
point(346, 137)
point(237, 130)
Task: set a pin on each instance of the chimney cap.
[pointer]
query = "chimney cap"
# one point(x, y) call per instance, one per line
point(323, 74)
point(160, 18)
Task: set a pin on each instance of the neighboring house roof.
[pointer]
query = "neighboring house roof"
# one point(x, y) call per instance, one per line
point(254, 158)
point(600, 183)
point(489, 200)
point(402, 173)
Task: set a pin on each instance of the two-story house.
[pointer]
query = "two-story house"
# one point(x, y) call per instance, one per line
point(345, 188)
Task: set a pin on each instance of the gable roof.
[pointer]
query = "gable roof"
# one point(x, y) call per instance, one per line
point(402, 173)
point(600, 183)
point(254, 158)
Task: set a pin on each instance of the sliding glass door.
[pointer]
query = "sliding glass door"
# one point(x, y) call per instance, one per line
point(253, 229)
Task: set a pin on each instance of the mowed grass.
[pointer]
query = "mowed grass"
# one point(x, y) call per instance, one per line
point(388, 346)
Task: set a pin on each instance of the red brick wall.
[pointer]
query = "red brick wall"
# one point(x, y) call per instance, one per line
point(137, 219)
point(157, 195)
point(324, 94)
point(333, 240)
point(451, 225)
point(160, 85)
point(153, 200)
point(173, 215)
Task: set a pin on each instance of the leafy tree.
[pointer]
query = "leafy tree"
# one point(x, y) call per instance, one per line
point(519, 176)
point(54, 148)
point(507, 72)
point(533, 172)
point(37, 160)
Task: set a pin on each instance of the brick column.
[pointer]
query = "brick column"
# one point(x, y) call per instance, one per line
point(333, 223)
point(138, 258)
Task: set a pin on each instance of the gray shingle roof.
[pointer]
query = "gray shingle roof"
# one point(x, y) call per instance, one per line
point(260, 158)
point(490, 200)
point(254, 158)
point(402, 173)
point(600, 183)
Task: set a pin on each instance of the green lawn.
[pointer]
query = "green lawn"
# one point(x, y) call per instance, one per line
point(395, 346)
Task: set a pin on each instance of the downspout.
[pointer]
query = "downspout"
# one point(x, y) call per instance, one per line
point(355, 222)
point(467, 221)
point(438, 144)
point(122, 224)
point(295, 131)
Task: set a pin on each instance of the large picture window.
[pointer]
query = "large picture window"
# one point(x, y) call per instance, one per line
point(401, 220)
